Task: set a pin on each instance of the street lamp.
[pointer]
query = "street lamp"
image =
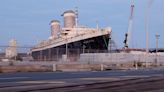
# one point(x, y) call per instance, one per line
point(147, 15)
point(66, 52)
point(66, 48)
point(65, 38)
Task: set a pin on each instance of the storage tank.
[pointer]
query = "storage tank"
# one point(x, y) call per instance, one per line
point(69, 18)
point(55, 28)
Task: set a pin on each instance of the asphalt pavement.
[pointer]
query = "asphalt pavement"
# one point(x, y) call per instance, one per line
point(22, 82)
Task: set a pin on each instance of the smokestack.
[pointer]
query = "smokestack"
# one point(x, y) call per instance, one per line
point(69, 18)
point(55, 28)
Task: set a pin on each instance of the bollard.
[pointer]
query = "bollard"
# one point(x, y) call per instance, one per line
point(54, 68)
point(102, 67)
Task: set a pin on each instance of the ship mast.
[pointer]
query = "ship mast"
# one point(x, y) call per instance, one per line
point(77, 16)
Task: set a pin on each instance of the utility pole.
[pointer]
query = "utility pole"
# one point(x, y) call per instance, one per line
point(157, 37)
point(66, 48)
point(110, 42)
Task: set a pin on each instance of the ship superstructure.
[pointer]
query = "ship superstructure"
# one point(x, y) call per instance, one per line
point(71, 39)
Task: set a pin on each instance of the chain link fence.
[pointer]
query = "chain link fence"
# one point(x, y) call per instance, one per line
point(89, 56)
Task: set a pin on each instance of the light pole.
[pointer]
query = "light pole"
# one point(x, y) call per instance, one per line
point(83, 48)
point(157, 37)
point(147, 15)
point(66, 49)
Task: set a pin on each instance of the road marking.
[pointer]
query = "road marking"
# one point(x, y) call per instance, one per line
point(14, 78)
point(44, 81)
point(136, 76)
point(101, 78)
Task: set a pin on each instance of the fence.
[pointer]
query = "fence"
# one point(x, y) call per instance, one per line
point(57, 54)
point(84, 55)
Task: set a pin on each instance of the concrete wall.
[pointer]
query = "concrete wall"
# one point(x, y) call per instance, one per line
point(77, 67)
point(24, 68)
point(119, 58)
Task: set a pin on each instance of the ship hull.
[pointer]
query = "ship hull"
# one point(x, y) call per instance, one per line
point(73, 49)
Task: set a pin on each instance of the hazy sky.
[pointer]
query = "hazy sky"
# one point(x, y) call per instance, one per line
point(28, 20)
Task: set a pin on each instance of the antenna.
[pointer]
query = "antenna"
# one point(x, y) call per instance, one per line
point(97, 24)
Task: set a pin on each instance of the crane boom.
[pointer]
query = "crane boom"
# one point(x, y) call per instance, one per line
point(128, 34)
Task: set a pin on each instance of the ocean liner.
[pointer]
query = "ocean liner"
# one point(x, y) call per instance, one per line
point(71, 40)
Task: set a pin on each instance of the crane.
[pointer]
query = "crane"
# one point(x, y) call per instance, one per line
point(128, 34)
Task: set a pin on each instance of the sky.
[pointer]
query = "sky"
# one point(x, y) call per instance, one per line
point(28, 20)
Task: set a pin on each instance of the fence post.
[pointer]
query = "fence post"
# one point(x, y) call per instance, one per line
point(102, 67)
point(54, 67)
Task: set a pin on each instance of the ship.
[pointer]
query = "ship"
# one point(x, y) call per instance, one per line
point(71, 40)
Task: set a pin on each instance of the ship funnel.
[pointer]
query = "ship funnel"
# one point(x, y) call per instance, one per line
point(69, 18)
point(55, 28)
